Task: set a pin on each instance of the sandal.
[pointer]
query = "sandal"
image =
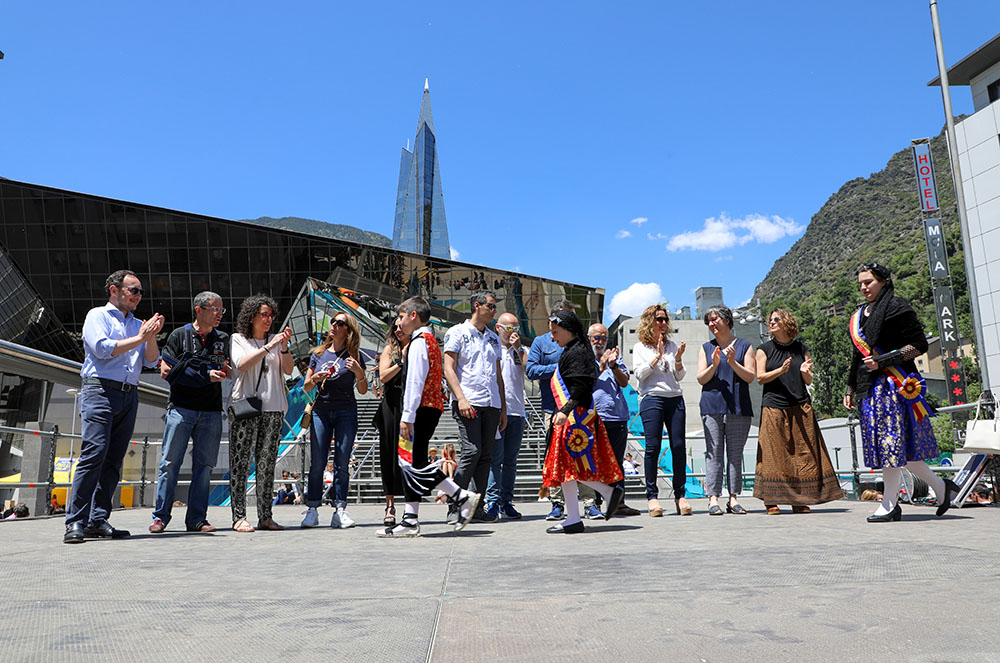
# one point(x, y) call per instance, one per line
point(683, 509)
point(736, 508)
point(242, 525)
point(715, 510)
point(390, 516)
point(269, 525)
point(655, 510)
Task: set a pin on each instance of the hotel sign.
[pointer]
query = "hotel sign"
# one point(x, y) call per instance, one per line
point(924, 168)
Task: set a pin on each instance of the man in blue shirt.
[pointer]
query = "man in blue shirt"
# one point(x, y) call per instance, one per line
point(542, 362)
point(609, 399)
point(116, 346)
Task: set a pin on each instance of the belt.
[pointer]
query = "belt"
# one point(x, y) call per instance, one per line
point(110, 384)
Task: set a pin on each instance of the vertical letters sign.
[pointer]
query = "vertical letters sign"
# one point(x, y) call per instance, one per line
point(925, 175)
point(937, 255)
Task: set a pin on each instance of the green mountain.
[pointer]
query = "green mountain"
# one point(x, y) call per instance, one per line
point(323, 229)
point(874, 218)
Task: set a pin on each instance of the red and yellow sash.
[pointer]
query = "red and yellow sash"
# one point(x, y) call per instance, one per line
point(911, 387)
point(580, 432)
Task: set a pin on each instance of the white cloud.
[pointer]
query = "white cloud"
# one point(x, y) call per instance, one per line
point(622, 234)
point(724, 258)
point(655, 237)
point(455, 255)
point(639, 220)
point(632, 300)
point(723, 233)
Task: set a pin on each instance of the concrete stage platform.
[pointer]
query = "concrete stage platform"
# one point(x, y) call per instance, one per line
point(825, 586)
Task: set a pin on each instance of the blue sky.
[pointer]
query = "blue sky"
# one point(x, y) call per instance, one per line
point(710, 133)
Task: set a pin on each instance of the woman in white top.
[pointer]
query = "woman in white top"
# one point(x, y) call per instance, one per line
point(659, 367)
point(259, 358)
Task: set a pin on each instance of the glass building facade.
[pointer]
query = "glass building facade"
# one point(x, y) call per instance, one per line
point(63, 245)
point(420, 225)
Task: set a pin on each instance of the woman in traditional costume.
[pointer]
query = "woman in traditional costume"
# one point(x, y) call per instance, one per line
point(793, 464)
point(889, 392)
point(579, 450)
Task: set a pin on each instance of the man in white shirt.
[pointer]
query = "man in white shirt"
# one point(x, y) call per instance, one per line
point(472, 371)
point(503, 467)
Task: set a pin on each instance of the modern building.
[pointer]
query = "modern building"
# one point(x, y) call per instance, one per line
point(978, 145)
point(420, 225)
point(706, 298)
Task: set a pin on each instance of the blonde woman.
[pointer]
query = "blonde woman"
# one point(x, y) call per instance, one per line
point(337, 369)
point(793, 465)
point(659, 368)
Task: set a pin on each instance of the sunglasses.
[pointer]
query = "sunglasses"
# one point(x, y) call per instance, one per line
point(510, 329)
point(662, 319)
point(775, 319)
point(600, 339)
point(490, 306)
point(132, 289)
point(339, 323)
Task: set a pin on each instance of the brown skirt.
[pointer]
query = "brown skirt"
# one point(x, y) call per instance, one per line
point(793, 465)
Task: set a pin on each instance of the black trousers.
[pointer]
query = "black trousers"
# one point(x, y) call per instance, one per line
point(420, 484)
point(477, 435)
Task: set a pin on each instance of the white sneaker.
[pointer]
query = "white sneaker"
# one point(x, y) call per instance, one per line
point(345, 518)
point(467, 502)
point(311, 519)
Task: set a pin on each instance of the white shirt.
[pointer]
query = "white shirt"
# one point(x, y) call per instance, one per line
point(417, 366)
point(478, 353)
point(664, 378)
point(513, 379)
point(272, 384)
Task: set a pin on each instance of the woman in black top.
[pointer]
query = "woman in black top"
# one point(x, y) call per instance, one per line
point(793, 464)
point(390, 366)
point(579, 450)
point(895, 430)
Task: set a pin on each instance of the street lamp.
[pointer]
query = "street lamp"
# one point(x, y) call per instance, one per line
point(72, 441)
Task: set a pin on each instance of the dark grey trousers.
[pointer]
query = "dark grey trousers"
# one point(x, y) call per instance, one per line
point(477, 436)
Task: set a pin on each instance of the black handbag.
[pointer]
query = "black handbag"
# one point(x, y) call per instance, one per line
point(250, 407)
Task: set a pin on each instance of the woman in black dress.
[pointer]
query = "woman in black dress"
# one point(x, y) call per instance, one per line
point(390, 366)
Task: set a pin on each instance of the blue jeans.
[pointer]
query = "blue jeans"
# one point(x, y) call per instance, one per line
point(657, 411)
point(107, 419)
point(503, 468)
point(204, 429)
point(340, 427)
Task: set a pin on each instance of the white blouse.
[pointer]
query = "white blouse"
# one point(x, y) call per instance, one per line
point(661, 379)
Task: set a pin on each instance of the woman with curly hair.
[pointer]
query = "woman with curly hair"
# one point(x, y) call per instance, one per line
point(390, 367)
point(260, 359)
point(793, 464)
point(659, 368)
point(889, 392)
point(336, 367)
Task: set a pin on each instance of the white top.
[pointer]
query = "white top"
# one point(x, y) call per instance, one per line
point(417, 367)
point(513, 378)
point(272, 385)
point(478, 353)
point(663, 379)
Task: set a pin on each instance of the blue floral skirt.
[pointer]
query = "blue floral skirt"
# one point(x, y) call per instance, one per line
point(890, 433)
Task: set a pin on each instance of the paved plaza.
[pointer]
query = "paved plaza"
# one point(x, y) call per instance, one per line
point(825, 586)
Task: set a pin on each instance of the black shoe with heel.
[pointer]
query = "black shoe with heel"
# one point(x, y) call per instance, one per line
point(950, 490)
point(895, 515)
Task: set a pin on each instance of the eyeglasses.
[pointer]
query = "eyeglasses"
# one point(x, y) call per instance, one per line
point(662, 319)
point(510, 329)
point(132, 289)
point(265, 315)
point(599, 339)
point(339, 323)
point(213, 309)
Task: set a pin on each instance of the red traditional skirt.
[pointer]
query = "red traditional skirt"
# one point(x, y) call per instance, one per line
point(573, 455)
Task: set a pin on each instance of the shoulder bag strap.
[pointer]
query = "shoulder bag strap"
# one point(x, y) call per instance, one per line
point(260, 372)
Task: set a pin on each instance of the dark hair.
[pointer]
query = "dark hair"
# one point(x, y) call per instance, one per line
point(116, 279)
point(480, 297)
point(569, 321)
point(21, 510)
point(878, 308)
point(881, 272)
point(395, 347)
point(562, 305)
point(420, 306)
point(248, 309)
point(721, 311)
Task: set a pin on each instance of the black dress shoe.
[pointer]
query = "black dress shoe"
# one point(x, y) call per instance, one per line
point(74, 533)
point(950, 490)
point(895, 515)
point(615, 501)
point(104, 530)
point(575, 528)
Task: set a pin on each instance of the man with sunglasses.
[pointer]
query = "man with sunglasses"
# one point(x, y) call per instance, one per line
point(472, 371)
point(507, 446)
point(116, 346)
point(609, 400)
point(195, 362)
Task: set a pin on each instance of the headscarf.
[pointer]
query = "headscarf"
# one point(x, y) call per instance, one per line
point(876, 315)
point(569, 321)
